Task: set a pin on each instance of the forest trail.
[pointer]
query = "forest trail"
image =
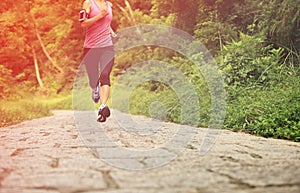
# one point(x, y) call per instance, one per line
point(56, 154)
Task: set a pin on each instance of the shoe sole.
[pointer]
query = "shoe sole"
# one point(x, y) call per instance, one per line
point(101, 119)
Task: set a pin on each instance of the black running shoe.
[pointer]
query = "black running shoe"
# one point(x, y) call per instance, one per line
point(103, 114)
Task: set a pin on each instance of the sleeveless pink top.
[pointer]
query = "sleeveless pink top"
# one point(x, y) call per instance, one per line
point(98, 34)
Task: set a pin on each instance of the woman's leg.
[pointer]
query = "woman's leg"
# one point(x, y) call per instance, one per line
point(91, 61)
point(106, 64)
point(104, 94)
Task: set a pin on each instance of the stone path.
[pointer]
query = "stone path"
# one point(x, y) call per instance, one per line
point(71, 153)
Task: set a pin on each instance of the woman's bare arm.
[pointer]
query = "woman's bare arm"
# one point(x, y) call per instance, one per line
point(89, 21)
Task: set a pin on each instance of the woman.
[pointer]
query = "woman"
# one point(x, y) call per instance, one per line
point(98, 49)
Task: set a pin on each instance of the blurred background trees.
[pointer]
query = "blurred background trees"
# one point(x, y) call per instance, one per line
point(255, 42)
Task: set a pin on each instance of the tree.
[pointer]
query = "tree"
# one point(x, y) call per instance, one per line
point(6, 80)
point(220, 22)
point(279, 20)
point(39, 40)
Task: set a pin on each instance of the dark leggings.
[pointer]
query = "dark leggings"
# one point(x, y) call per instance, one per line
point(92, 58)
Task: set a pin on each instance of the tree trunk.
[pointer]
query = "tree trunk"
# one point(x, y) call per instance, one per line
point(36, 66)
point(44, 48)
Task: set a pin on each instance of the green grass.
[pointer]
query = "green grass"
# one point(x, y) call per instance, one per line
point(270, 111)
point(267, 111)
point(141, 101)
point(13, 112)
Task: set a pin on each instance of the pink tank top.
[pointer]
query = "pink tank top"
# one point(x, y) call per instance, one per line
point(98, 34)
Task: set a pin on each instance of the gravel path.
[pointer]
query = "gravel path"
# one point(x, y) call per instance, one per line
point(71, 153)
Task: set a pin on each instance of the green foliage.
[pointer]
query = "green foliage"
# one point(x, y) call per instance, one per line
point(269, 112)
point(58, 102)
point(28, 26)
point(219, 22)
point(279, 20)
point(153, 92)
point(218, 32)
point(263, 91)
point(248, 62)
point(168, 106)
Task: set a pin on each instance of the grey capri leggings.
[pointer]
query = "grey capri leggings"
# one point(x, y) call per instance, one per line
point(92, 58)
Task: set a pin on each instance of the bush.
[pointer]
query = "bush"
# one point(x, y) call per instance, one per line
point(249, 62)
point(152, 97)
point(269, 112)
point(263, 92)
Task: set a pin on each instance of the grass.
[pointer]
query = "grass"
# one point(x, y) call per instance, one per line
point(13, 112)
point(267, 111)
